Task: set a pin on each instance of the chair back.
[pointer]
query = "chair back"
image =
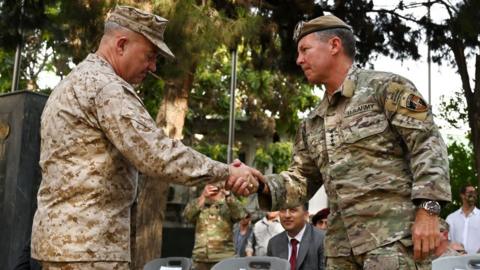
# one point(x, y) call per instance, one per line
point(464, 262)
point(253, 263)
point(170, 263)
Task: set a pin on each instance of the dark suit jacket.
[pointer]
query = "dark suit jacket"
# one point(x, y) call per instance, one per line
point(310, 255)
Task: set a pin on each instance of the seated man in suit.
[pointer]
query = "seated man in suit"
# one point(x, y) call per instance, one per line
point(301, 243)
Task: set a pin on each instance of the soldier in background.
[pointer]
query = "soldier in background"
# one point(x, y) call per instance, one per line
point(372, 142)
point(95, 135)
point(320, 219)
point(213, 213)
point(447, 247)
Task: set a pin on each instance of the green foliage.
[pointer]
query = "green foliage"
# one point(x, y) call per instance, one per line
point(454, 110)
point(262, 95)
point(278, 154)
point(215, 151)
point(462, 172)
point(195, 31)
point(55, 33)
point(6, 70)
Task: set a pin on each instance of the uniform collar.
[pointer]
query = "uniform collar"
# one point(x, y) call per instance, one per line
point(347, 89)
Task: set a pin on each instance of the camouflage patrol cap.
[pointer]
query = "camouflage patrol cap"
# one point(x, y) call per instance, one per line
point(149, 25)
point(443, 225)
point(318, 24)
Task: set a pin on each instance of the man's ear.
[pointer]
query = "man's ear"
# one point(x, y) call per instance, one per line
point(335, 45)
point(121, 44)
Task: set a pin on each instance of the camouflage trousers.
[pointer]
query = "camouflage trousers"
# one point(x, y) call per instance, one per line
point(395, 256)
point(203, 265)
point(85, 265)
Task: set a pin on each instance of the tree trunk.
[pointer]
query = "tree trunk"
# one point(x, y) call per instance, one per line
point(475, 118)
point(472, 98)
point(152, 198)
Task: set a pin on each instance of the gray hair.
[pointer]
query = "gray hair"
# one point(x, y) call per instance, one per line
point(111, 27)
point(345, 35)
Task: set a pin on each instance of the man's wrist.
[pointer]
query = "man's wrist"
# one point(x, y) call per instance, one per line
point(430, 206)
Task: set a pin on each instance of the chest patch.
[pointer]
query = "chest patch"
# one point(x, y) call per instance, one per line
point(359, 109)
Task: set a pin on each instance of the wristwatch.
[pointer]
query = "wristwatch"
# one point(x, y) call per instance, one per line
point(432, 207)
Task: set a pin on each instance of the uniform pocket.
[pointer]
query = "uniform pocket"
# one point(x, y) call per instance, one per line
point(381, 262)
point(364, 126)
point(316, 145)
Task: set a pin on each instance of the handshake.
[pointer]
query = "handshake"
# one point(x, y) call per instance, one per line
point(244, 180)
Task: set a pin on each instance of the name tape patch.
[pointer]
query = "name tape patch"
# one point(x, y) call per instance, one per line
point(360, 109)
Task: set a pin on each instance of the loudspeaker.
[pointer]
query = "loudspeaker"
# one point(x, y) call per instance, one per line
point(20, 173)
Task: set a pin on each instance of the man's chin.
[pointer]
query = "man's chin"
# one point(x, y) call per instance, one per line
point(312, 80)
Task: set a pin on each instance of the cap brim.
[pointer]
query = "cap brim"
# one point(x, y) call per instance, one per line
point(163, 48)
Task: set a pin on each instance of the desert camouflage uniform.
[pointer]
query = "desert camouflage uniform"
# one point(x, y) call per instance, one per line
point(95, 133)
point(86, 266)
point(376, 149)
point(214, 227)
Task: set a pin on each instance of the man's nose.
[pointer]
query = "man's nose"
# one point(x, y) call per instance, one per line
point(300, 59)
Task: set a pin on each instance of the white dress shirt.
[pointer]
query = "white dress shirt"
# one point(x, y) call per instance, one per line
point(465, 230)
point(263, 230)
point(299, 239)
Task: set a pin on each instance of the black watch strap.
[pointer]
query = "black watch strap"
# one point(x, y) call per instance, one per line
point(261, 187)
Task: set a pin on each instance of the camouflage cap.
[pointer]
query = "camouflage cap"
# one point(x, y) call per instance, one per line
point(443, 225)
point(149, 25)
point(318, 24)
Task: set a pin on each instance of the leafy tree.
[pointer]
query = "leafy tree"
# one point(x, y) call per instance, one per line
point(278, 154)
point(55, 33)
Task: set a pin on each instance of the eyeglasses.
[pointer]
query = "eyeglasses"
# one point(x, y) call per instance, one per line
point(298, 30)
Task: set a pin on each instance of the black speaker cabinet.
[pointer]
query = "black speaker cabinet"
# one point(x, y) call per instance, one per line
point(19, 170)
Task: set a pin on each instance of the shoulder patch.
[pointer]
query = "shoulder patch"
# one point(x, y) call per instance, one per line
point(401, 99)
point(414, 103)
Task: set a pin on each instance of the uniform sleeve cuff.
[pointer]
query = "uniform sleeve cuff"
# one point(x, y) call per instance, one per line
point(220, 171)
point(273, 201)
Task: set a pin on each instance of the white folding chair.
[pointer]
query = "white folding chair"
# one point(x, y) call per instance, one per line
point(253, 263)
point(464, 262)
point(177, 263)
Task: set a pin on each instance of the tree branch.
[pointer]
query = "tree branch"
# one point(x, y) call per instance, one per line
point(394, 13)
point(46, 56)
point(458, 50)
point(477, 75)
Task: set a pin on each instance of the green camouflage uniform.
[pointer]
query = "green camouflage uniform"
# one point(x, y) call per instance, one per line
point(214, 227)
point(376, 149)
point(95, 134)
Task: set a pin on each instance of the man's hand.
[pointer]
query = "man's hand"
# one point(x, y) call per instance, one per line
point(425, 234)
point(210, 191)
point(243, 180)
